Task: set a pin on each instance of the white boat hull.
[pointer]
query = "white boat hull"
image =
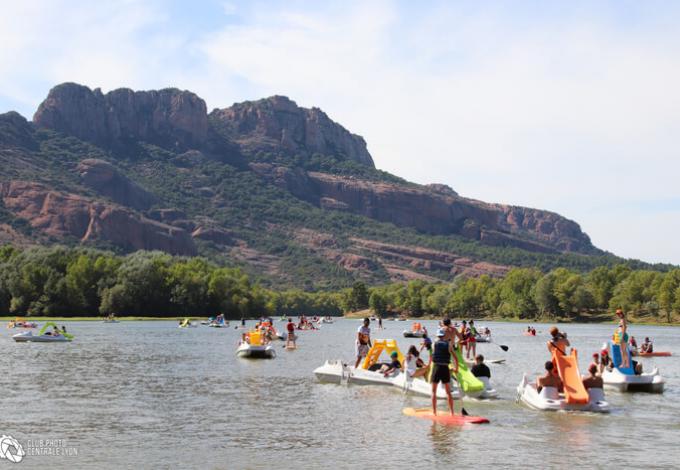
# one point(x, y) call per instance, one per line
point(256, 352)
point(651, 382)
point(28, 337)
point(550, 400)
point(335, 372)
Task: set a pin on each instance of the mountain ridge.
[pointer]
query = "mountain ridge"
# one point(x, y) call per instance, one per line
point(237, 184)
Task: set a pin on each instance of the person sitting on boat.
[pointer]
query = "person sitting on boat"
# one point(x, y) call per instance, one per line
point(393, 367)
point(487, 331)
point(440, 362)
point(596, 360)
point(647, 346)
point(633, 345)
point(637, 367)
point(550, 379)
point(415, 367)
point(480, 369)
point(605, 361)
point(290, 327)
point(558, 341)
point(363, 341)
point(621, 338)
point(593, 380)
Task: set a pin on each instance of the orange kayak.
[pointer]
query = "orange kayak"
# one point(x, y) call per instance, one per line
point(444, 417)
point(655, 354)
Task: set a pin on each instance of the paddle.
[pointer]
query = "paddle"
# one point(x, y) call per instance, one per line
point(503, 347)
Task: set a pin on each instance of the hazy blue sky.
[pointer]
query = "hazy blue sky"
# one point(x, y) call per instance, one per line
point(568, 106)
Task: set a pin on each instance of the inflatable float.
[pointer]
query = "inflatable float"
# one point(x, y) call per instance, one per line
point(575, 396)
point(626, 380)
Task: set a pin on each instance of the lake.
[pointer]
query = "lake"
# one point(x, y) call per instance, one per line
point(151, 395)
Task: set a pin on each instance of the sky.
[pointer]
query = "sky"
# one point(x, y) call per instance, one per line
point(572, 107)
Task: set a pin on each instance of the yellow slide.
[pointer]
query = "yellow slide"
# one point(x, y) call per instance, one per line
point(567, 367)
point(380, 345)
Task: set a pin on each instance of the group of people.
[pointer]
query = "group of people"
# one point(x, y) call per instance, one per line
point(441, 356)
point(531, 331)
point(602, 361)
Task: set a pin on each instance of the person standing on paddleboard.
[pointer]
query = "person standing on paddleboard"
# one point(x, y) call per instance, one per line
point(290, 327)
point(440, 371)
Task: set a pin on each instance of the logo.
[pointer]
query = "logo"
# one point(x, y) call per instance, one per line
point(10, 449)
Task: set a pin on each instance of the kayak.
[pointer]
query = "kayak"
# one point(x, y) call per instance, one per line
point(444, 417)
point(654, 354)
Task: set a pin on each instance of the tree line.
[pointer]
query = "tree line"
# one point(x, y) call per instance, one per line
point(531, 294)
point(60, 281)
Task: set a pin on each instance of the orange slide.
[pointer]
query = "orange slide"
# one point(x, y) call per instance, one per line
point(567, 366)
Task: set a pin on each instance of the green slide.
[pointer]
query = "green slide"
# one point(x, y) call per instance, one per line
point(466, 379)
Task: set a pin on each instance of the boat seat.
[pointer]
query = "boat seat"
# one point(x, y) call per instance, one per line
point(595, 395)
point(549, 393)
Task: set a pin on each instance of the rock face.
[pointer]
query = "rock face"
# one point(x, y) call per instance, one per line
point(16, 131)
point(107, 181)
point(435, 210)
point(170, 117)
point(278, 124)
point(62, 215)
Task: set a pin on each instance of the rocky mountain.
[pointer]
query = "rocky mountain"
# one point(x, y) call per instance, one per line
point(281, 190)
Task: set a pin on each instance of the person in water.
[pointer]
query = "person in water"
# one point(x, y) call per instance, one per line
point(550, 379)
point(480, 369)
point(621, 338)
point(440, 370)
point(392, 367)
point(363, 341)
point(593, 380)
point(415, 367)
point(290, 327)
point(647, 346)
point(558, 341)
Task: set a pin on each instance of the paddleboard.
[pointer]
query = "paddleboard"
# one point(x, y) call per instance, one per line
point(444, 417)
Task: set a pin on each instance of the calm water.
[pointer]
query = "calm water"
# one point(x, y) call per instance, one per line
point(150, 395)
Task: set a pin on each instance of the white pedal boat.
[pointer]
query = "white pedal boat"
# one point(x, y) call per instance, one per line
point(247, 350)
point(483, 338)
point(29, 337)
point(651, 382)
point(334, 371)
point(549, 399)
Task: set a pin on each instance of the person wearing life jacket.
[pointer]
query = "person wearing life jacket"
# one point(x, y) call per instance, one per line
point(440, 370)
point(290, 327)
point(647, 346)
